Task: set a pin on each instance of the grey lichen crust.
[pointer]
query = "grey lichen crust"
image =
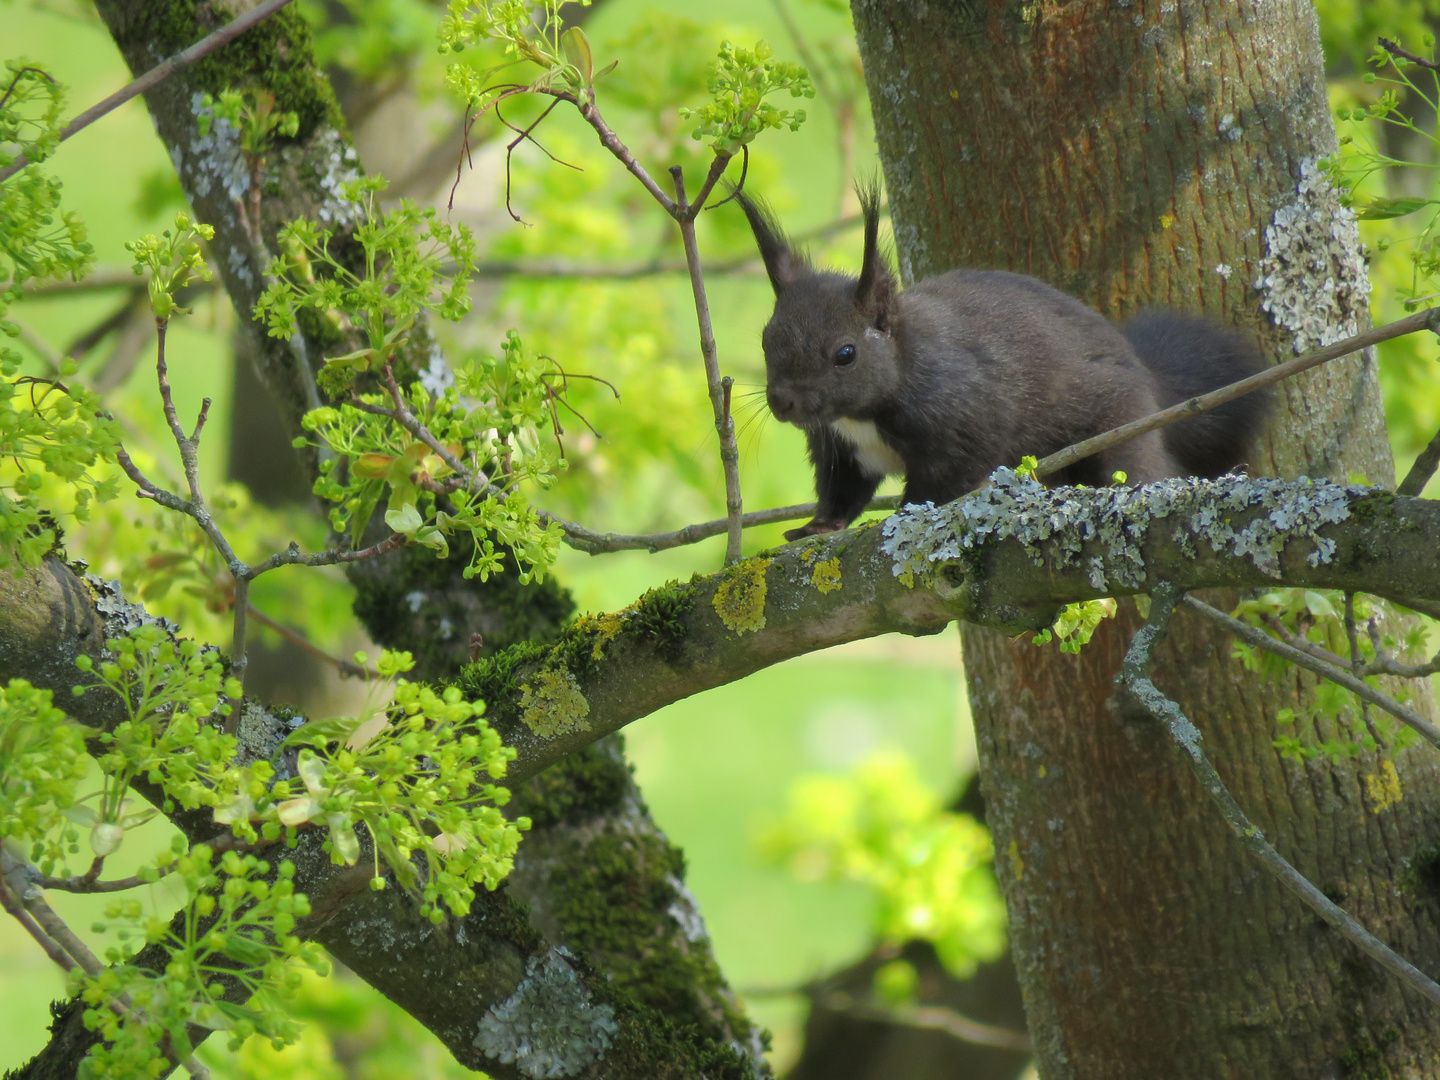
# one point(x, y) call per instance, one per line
point(1312, 279)
point(1056, 523)
point(548, 1027)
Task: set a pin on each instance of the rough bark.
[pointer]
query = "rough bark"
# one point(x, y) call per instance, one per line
point(1132, 154)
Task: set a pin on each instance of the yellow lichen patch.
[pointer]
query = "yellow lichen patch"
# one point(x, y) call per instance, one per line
point(809, 555)
point(1383, 788)
point(826, 575)
point(606, 629)
point(906, 578)
point(552, 704)
point(1017, 864)
point(740, 599)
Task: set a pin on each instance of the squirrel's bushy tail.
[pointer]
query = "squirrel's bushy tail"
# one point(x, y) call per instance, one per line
point(1189, 356)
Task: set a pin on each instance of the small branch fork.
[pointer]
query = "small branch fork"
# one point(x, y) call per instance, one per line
point(194, 506)
point(684, 211)
point(1134, 677)
point(160, 72)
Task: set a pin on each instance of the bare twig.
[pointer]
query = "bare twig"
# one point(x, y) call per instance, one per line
point(724, 423)
point(596, 543)
point(608, 139)
point(1335, 673)
point(1134, 675)
point(107, 278)
point(11, 903)
point(160, 72)
point(928, 1018)
point(1423, 469)
point(80, 885)
point(1429, 319)
point(345, 667)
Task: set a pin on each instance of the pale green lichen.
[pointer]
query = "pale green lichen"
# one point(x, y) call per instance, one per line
point(551, 704)
point(826, 575)
point(1057, 524)
point(740, 599)
point(550, 1026)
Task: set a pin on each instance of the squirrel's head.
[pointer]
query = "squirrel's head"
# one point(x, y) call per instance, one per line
point(829, 349)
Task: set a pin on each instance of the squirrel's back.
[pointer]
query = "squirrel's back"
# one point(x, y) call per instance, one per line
point(1190, 356)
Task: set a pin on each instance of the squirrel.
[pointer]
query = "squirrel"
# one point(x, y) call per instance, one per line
point(970, 370)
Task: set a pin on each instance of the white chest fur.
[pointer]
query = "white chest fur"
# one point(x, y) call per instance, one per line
point(876, 458)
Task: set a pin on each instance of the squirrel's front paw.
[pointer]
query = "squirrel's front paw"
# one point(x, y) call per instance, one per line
point(814, 527)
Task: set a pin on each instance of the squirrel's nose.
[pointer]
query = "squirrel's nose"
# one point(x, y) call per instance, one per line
point(782, 401)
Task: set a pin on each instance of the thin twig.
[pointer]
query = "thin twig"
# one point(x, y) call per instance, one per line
point(1336, 674)
point(928, 1018)
point(1404, 54)
point(11, 903)
point(107, 278)
point(608, 139)
point(724, 423)
point(345, 667)
point(80, 885)
point(1423, 469)
point(1429, 319)
point(160, 72)
point(597, 543)
point(1134, 675)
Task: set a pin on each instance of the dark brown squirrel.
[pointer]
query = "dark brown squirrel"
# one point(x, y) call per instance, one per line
point(970, 370)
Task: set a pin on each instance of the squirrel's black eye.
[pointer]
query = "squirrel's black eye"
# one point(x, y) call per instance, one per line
point(845, 356)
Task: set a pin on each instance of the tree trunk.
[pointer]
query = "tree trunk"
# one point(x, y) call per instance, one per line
point(1142, 153)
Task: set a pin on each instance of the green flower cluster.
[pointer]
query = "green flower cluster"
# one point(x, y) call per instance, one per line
point(524, 32)
point(45, 426)
point(405, 253)
point(233, 942)
point(928, 869)
point(33, 243)
point(42, 759)
point(417, 776)
point(488, 421)
point(174, 259)
point(741, 81)
point(169, 690)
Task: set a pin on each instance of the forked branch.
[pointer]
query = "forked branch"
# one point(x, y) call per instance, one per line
point(1135, 677)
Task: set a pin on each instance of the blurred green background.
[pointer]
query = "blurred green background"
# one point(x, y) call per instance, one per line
point(714, 768)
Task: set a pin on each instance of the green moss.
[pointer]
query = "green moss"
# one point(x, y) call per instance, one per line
point(661, 617)
point(277, 54)
point(496, 679)
point(613, 899)
point(1422, 877)
point(651, 1044)
point(506, 611)
point(584, 785)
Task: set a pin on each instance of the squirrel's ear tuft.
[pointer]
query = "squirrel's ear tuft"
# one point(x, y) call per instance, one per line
point(782, 262)
point(875, 293)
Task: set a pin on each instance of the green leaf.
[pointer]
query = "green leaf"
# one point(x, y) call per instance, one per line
point(323, 732)
point(577, 53)
point(1380, 209)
